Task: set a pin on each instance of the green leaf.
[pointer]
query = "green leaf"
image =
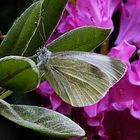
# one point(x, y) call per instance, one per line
point(6, 94)
point(18, 74)
point(81, 39)
point(25, 36)
point(44, 121)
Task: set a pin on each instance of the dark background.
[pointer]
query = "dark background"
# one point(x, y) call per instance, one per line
point(10, 10)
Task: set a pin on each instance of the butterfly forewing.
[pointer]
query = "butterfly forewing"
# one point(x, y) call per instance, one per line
point(77, 82)
point(114, 68)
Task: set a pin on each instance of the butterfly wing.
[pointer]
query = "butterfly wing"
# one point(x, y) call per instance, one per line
point(114, 68)
point(79, 79)
point(76, 81)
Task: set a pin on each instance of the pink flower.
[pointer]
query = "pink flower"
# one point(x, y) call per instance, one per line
point(52, 100)
point(119, 125)
point(45, 89)
point(123, 51)
point(89, 12)
point(124, 97)
point(134, 72)
point(130, 23)
point(120, 118)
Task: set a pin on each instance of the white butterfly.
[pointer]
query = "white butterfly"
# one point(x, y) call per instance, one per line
point(81, 78)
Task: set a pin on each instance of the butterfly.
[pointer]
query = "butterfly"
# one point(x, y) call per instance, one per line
point(81, 78)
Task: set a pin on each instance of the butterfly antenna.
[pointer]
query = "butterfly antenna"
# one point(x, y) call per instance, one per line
point(37, 25)
point(33, 56)
point(43, 28)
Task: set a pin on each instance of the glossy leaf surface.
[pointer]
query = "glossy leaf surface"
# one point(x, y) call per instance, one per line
point(18, 74)
point(81, 39)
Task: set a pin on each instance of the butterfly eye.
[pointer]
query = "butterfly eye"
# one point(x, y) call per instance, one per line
point(42, 30)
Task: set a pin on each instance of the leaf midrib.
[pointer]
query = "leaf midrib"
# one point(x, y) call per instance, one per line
point(9, 77)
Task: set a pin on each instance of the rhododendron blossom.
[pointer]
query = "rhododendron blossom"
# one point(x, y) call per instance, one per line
point(129, 23)
point(89, 12)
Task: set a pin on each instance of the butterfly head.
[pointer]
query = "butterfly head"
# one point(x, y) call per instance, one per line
point(43, 54)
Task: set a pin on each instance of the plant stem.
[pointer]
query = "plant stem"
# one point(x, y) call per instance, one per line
point(6, 94)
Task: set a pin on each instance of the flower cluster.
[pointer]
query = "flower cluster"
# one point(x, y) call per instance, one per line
point(117, 115)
